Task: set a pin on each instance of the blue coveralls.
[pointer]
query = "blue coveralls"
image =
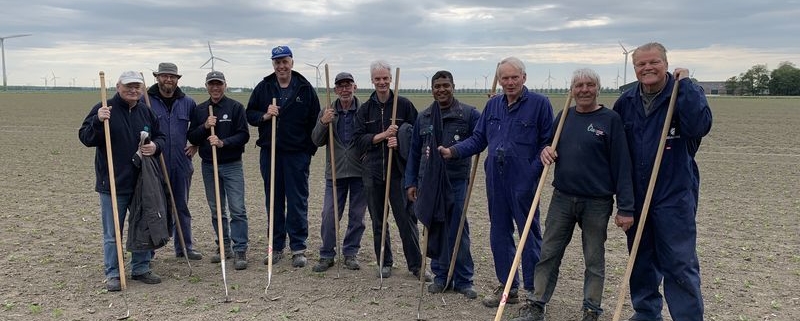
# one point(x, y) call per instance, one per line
point(667, 250)
point(514, 135)
point(175, 124)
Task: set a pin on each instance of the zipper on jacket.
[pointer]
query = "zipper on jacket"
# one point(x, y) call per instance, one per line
point(383, 144)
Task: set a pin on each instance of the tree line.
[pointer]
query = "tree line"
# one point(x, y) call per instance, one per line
point(759, 81)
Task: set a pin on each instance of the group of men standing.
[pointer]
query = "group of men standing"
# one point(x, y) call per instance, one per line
point(602, 155)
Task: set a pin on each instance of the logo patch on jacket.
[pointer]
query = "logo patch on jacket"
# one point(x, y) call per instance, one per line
point(596, 131)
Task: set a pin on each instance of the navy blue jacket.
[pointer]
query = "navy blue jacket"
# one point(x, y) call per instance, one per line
point(125, 125)
point(231, 128)
point(678, 181)
point(296, 119)
point(372, 118)
point(175, 125)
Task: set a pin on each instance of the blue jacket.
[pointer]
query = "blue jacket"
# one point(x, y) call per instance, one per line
point(518, 132)
point(678, 178)
point(231, 128)
point(296, 119)
point(458, 122)
point(175, 124)
point(125, 125)
point(372, 118)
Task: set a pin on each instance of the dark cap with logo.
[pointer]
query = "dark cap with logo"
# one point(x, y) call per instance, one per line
point(343, 76)
point(215, 75)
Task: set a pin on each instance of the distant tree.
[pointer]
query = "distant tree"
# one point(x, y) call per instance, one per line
point(785, 80)
point(732, 86)
point(755, 81)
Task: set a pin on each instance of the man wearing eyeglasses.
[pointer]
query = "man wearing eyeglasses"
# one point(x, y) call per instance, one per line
point(341, 114)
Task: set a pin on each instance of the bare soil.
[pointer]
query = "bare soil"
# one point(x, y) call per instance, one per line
point(51, 263)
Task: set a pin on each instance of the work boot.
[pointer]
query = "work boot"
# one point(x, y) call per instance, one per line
point(323, 265)
point(351, 263)
point(531, 312)
point(428, 276)
point(385, 272)
point(469, 292)
point(493, 300)
point(590, 315)
point(216, 258)
point(147, 278)
point(435, 288)
point(276, 257)
point(240, 261)
point(299, 260)
point(113, 285)
point(192, 254)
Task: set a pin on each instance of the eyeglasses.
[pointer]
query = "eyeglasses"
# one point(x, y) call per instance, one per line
point(345, 85)
point(168, 76)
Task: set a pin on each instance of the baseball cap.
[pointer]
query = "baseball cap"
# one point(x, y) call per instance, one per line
point(131, 77)
point(281, 51)
point(215, 75)
point(167, 68)
point(342, 76)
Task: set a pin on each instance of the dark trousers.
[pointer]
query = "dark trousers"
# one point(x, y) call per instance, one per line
point(355, 216)
point(290, 215)
point(404, 218)
point(464, 266)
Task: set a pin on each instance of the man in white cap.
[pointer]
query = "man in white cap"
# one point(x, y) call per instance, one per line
point(129, 115)
point(174, 109)
point(230, 136)
point(296, 114)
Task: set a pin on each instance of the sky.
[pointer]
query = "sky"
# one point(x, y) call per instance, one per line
point(74, 40)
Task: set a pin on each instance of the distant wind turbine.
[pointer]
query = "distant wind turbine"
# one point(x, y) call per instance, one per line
point(45, 81)
point(625, 73)
point(316, 67)
point(54, 78)
point(211, 60)
point(3, 49)
point(549, 85)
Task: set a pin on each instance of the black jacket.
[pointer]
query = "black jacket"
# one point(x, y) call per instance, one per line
point(231, 128)
point(149, 222)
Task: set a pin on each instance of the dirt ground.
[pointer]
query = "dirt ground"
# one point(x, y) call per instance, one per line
point(51, 263)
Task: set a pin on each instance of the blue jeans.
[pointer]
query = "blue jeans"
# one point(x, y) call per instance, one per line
point(464, 266)
point(140, 260)
point(355, 215)
point(231, 195)
point(290, 214)
point(591, 215)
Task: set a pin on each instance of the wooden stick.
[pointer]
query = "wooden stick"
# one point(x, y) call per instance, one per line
point(271, 197)
point(647, 199)
point(219, 207)
point(422, 270)
point(388, 180)
point(331, 148)
point(462, 222)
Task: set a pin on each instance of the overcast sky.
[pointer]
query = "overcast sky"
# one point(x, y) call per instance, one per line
point(75, 39)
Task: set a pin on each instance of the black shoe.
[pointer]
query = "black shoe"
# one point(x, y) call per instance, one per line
point(323, 265)
point(216, 258)
point(590, 315)
point(276, 257)
point(385, 271)
point(493, 300)
point(193, 255)
point(147, 278)
point(351, 263)
point(428, 276)
point(468, 292)
point(299, 260)
point(240, 261)
point(113, 285)
point(435, 288)
point(530, 312)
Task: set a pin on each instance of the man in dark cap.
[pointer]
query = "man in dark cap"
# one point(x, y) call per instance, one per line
point(174, 109)
point(296, 114)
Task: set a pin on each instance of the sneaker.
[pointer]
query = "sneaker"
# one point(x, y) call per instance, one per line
point(323, 265)
point(428, 276)
point(193, 255)
point(276, 257)
point(299, 260)
point(385, 272)
point(435, 288)
point(113, 285)
point(530, 312)
point(147, 278)
point(590, 315)
point(240, 261)
point(351, 263)
point(493, 300)
point(216, 258)
point(468, 292)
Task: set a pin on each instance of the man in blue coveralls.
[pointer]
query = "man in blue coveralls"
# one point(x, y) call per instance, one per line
point(515, 126)
point(668, 248)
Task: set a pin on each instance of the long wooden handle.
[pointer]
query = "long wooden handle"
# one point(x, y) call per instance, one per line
point(388, 174)
point(646, 206)
point(112, 183)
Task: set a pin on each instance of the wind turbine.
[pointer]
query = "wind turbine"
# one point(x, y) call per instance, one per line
point(549, 85)
point(485, 81)
point(45, 81)
point(426, 81)
point(625, 73)
point(211, 60)
point(3, 49)
point(54, 78)
point(316, 67)
point(616, 81)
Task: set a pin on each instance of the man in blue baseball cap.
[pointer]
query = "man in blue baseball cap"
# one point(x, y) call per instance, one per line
point(296, 109)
